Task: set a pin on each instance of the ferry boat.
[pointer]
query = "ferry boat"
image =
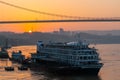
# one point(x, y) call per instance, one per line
point(3, 53)
point(71, 57)
point(17, 56)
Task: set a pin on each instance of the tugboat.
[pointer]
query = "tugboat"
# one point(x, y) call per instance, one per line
point(71, 57)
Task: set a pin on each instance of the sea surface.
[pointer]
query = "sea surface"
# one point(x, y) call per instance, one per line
point(109, 54)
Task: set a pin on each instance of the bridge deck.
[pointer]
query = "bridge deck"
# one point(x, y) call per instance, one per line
point(50, 21)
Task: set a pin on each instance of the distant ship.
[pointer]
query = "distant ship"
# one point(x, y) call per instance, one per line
point(71, 57)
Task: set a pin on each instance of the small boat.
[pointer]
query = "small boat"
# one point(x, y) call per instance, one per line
point(22, 68)
point(9, 68)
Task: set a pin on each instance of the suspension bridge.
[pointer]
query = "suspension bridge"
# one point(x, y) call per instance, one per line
point(60, 18)
point(49, 21)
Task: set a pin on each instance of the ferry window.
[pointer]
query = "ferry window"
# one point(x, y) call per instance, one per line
point(81, 63)
point(82, 51)
point(85, 57)
point(91, 57)
point(77, 58)
point(96, 57)
point(74, 51)
point(88, 57)
point(81, 57)
point(89, 52)
point(74, 57)
point(86, 52)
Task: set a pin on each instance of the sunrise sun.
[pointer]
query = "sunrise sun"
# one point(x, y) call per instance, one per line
point(30, 31)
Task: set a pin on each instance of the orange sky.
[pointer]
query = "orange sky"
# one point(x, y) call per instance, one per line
point(82, 8)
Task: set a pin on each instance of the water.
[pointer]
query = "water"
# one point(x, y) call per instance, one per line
point(109, 54)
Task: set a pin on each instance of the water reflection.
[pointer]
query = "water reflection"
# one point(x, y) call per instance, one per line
point(73, 77)
point(48, 76)
point(5, 62)
point(36, 74)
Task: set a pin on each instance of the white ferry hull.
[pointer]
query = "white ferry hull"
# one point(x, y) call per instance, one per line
point(59, 68)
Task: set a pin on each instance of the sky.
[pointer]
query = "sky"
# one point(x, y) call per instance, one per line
point(81, 8)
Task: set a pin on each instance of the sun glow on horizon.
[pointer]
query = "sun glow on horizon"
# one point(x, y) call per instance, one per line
point(34, 10)
point(30, 31)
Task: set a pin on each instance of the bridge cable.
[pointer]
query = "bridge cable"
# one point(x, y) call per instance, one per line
point(40, 12)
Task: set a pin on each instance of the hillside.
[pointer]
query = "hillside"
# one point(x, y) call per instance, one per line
point(31, 39)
